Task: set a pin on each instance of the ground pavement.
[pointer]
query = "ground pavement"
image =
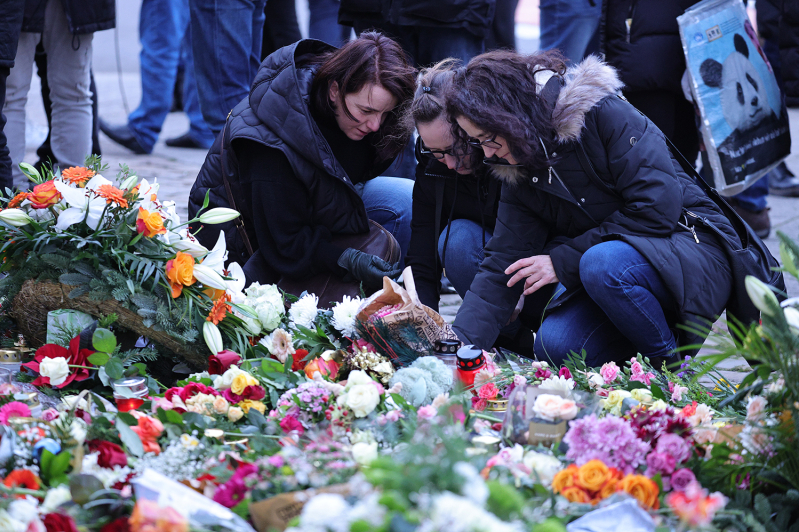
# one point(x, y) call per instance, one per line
point(116, 71)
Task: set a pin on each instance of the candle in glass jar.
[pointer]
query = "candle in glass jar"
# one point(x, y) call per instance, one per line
point(130, 392)
point(470, 361)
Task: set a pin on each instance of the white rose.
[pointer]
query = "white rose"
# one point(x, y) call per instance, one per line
point(552, 407)
point(595, 380)
point(542, 465)
point(362, 399)
point(9, 523)
point(269, 314)
point(224, 381)
point(641, 395)
point(358, 377)
point(55, 368)
point(364, 453)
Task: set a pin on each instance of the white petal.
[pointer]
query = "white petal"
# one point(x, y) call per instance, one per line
point(97, 181)
point(236, 287)
point(69, 217)
point(209, 277)
point(75, 197)
point(216, 258)
point(96, 207)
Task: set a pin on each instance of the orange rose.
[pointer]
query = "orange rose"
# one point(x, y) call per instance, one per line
point(148, 428)
point(564, 478)
point(150, 223)
point(592, 475)
point(642, 488)
point(575, 494)
point(608, 489)
point(44, 195)
point(148, 516)
point(180, 272)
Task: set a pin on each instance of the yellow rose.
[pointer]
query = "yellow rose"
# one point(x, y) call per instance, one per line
point(241, 381)
point(235, 413)
point(614, 400)
point(642, 395)
point(249, 403)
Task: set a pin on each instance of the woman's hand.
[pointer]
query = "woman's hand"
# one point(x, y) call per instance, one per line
point(537, 270)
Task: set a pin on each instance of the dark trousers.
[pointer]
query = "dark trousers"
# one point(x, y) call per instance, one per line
point(503, 30)
point(5, 157)
point(280, 26)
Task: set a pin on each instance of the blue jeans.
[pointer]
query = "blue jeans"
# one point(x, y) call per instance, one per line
point(164, 34)
point(620, 313)
point(388, 201)
point(569, 25)
point(324, 24)
point(753, 199)
point(226, 34)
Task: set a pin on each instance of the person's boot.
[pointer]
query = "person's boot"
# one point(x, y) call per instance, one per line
point(758, 221)
point(185, 141)
point(782, 182)
point(123, 136)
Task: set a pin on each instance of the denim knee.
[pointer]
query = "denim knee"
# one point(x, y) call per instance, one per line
point(598, 264)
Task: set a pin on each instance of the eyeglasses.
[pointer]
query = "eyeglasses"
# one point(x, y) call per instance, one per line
point(490, 143)
point(453, 151)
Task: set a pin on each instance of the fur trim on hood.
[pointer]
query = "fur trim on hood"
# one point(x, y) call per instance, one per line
point(585, 85)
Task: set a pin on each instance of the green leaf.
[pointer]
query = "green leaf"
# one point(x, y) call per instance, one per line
point(129, 438)
point(657, 392)
point(99, 358)
point(636, 384)
point(127, 418)
point(82, 487)
point(174, 417)
point(104, 340)
point(114, 368)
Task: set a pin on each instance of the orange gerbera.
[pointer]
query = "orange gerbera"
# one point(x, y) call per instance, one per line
point(17, 200)
point(77, 175)
point(22, 478)
point(112, 194)
point(219, 310)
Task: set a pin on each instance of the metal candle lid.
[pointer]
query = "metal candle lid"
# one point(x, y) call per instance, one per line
point(447, 347)
point(136, 385)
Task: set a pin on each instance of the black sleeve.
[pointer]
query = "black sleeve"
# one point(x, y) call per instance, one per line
point(281, 214)
point(423, 251)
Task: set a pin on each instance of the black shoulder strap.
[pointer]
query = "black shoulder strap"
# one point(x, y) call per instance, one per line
point(239, 222)
point(439, 208)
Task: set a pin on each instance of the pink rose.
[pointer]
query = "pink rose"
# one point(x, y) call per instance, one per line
point(554, 407)
point(660, 463)
point(564, 372)
point(519, 381)
point(426, 412)
point(681, 479)
point(542, 373)
point(290, 424)
point(51, 414)
point(609, 372)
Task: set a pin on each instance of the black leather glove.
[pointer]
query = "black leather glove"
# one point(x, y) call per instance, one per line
point(366, 268)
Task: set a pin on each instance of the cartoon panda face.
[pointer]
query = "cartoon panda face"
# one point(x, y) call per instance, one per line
point(744, 101)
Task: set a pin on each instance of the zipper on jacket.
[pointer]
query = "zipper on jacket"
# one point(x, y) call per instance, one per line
point(685, 225)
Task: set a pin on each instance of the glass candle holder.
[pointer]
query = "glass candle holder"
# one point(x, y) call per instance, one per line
point(130, 392)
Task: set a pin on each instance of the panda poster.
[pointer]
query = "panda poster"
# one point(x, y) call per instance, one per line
point(744, 119)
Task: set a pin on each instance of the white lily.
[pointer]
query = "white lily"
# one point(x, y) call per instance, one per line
point(83, 203)
point(761, 295)
point(15, 217)
point(209, 277)
point(217, 256)
point(212, 337)
point(792, 317)
point(218, 215)
point(190, 246)
point(146, 192)
point(235, 287)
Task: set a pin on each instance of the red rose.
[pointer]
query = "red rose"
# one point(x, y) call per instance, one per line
point(565, 373)
point(111, 454)
point(59, 523)
point(171, 392)
point(74, 355)
point(254, 393)
point(290, 423)
point(221, 362)
point(118, 525)
point(193, 388)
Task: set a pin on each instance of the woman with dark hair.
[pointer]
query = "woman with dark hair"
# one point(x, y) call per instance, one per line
point(300, 158)
point(455, 204)
point(580, 163)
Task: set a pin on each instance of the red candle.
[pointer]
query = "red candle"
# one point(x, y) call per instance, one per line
point(126, 404)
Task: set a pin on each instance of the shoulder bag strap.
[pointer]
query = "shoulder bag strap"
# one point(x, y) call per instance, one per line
point(439, 208)
point(239, 221)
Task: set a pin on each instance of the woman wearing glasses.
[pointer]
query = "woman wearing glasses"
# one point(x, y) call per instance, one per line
point(454, 206)
point(579, 162)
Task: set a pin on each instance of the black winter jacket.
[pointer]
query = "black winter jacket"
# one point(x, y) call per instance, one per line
point(11, 12)
point(476, 16)
point(789, 51)
point(642, 196)
point(276, 114)
point(650, 57)
point(472, 197)
point(84, 16)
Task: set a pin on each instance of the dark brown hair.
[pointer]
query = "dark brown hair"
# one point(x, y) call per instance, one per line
point(372, 58)
point(497, 92)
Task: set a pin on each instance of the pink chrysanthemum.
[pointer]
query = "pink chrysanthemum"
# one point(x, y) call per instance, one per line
point(13, 409)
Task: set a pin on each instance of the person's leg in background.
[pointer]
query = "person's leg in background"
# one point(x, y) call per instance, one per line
point(18, 84)
point(388, 201)
point(199, 135)
point(280, 26)
point(503, 30)
point(162, 26)
point(69, 76)
point(751, 204)
point(324, 22)
point(227, 35)
point(11, 23)
point(569, 26)
point(673, 115)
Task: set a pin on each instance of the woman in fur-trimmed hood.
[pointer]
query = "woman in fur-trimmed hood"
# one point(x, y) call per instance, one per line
point(580, 163)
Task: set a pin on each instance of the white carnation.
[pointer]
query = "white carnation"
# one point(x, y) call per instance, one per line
point(558, 383)
point(344, 315)
point(55, 498)
point(304, 311)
